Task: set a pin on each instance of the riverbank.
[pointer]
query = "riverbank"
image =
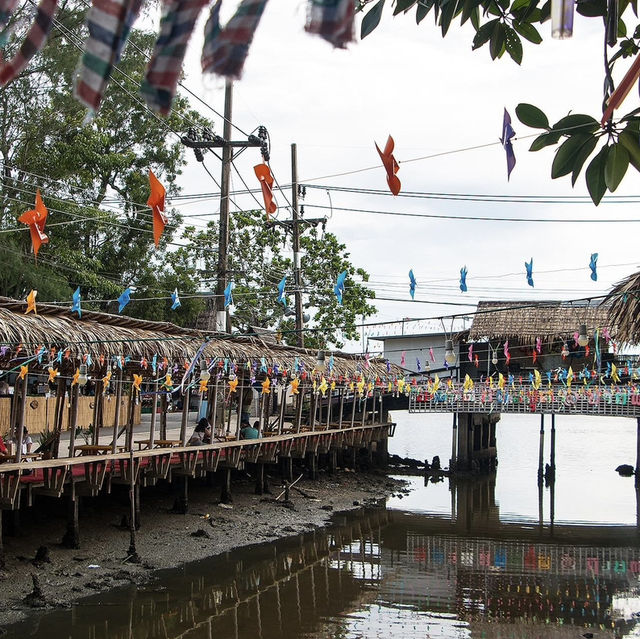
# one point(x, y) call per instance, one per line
point(165, 539)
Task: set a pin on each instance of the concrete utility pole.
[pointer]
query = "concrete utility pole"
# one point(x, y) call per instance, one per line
point(227, 145)
point(296, 245)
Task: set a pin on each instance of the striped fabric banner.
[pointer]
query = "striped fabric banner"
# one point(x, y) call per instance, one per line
point(33, 42)
point(165, 67)
point(332, 20)
point(7, 7)
point(225, 50)
point(109, 23)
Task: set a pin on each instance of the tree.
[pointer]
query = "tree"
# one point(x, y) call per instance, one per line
point(611, 144)
point(94, 180)
point(257, 263)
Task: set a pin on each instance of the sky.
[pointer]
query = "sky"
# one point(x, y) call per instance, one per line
point(436, 97)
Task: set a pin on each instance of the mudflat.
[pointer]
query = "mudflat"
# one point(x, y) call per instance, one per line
point(165, 539)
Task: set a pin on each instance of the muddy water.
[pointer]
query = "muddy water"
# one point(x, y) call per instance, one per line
point(454, 559)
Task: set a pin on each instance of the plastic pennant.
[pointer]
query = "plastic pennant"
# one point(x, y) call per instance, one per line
point(281, 296)
point(338, 289)
point(36, 219)
point(390, 165)
point(593, 266)
point(228, 294)
point(175, 299)
point(31, 302)
point(156, 202)
point(529, 267)
point(124, 299)
point(463, 279)
point(263, 173)
point(412, 284)
point(76, 308)
point(507, 134)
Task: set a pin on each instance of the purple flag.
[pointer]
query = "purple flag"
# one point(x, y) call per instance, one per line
point(507, 134)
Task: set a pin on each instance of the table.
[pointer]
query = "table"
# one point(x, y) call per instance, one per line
point(23, 457)
point(93, 449)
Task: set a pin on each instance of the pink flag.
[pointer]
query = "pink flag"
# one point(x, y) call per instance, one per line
point(402, 360)
point(470, 352)
point(433, 359)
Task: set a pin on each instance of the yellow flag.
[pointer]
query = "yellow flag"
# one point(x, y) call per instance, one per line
point(537, 379)
point(614, 374)
point(468, 384)
point(436, 383)
point(323, 386)
point(31, 302)
point(569, 377)
point(137, 381)
point(501, 381)
point(23, 372)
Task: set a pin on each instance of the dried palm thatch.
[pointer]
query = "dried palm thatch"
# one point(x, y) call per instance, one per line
point(549, 320)
point(624, 309)
point(103, 336)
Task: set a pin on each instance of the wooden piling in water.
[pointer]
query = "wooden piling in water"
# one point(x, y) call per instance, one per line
point(71, 538)
point(541, 452)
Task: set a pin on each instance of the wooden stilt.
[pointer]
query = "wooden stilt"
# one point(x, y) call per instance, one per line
point(552, 458)
point(225, 493)
point(154, 412)
point(181, 503)
point(541, 452)
point(341, 409)
point(637, 451)
point(454, 442)
point(21, 412)
point(239, 409)
point(2, 561)
point(71, 538)
point(97, 412)
point(312, 410)
point(164, 407)
point(300, 400)
point(364, 410)
point(283, 402)
point(116, 419)
point(259, 479)
point(332, 461)
point(133, 502)
point(59, 415)
point(73, 418)
point(383, 452)
point(185, 416)
point(353, 410)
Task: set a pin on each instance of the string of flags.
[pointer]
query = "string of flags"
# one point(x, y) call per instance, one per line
point(109, 24)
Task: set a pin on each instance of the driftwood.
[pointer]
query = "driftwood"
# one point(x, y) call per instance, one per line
point(287, 487)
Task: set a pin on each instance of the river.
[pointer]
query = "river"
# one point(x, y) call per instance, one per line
point(453, 559)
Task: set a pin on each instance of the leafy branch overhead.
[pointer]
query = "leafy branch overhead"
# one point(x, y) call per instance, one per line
point(607, 146)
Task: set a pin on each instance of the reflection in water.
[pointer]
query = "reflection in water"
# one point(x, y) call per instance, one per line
point(385, 574)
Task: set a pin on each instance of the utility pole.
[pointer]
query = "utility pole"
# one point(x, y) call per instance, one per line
point(222, 316)
point(211, 141)
point(296, 245)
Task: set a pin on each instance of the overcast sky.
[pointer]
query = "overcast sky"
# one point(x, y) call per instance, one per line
point(434, 96)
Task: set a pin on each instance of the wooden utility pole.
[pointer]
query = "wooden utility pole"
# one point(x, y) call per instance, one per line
point(222, 317)
point(296, 246)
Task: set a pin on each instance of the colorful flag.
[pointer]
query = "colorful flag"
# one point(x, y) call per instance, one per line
point(593, 266)
point(31, 302)
point(124, 299)
point(338, 289)
point(463, 279)
point(390, 165)
point(75, 308)
point(412, 284)
point(36, 218)
point(263, 173)
point(281, 296)
point(175, 299)
point(529, 267)
point(332, 21)
point(228, 295)
point(156, 202)
point(507, 134)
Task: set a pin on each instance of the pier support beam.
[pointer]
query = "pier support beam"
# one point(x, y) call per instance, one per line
point(262, 485)
point(382, 451)
point(225, 493)
point(2, 564)
point(638, 451)
point(71, 538)
point(332, 461)
point(312, 464)
point(552, 455)
point(477, 450)
point(541, 452)
point(454, 441)
point(286, 468)
point(181, 503)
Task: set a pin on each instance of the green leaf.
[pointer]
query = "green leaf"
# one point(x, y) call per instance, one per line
point(528, 31)
point(447, 14)
point(519, 5)
point(622, 28)
point(484, 33)
point(581, 158)
point(576, 123)
point(546, 139)
point(468, 9)
point(496, 43)
point(564, 160)
point(532, 116)
point(475, 18)
point(630, 142)
point(591, 8)
point(594, 176)
point(403, 5)
point(513, 44)
point(372, 19)
point(616, 166)
point(545, 11)
point(422, 10)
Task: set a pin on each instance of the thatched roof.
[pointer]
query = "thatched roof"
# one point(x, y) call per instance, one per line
point(106, 335)
point(624, 309)
point(548, 320)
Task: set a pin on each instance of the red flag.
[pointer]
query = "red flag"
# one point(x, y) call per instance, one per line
point(263, 173)
point(156, 202)
point(36, 219)
point(390, 165)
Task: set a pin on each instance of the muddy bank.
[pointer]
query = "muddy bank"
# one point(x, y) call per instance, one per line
point(164, 539)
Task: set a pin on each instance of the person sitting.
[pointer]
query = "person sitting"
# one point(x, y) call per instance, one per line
point(249, 432)
point(201, 434)
point(27, 442)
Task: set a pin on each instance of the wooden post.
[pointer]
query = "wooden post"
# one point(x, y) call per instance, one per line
point(341, 410)
point(59, 415)
point(21, 412)
point(541, 452)
point(214, 405)
point(364, 409)
point(239, 409)
point(116, 418)
point(300, 402)
point(381, 411)
point(552, 460)
point(154, 410)
point(164, 407)
point(454, 442)
point(73, 418)
point(71, 538)
point(185, 416)
point(2, 562)
point(97, 412)
point(353, 409)
point(283, 401)
point(312, 410)
point(133, 502)
point(225, 493)
point(132, 412)
point(329, 394)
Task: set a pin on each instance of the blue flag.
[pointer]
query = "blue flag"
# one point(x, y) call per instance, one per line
point(593, 265)
point(529, 267)
point(124, 299)
point(281, 296)
point(228, 297)
point(463, 279)
point(175, 298)
point(418, 367)
point(507, 134)
point(412, 283)
point(75, 308)
point(338, 289)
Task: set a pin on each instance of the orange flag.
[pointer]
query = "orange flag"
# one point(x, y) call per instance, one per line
point(156, 202)
point(390, 165)
point(36, 219)
point(263, 173)
point(31, 302)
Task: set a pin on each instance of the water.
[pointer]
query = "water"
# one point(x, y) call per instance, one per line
point(452, 560)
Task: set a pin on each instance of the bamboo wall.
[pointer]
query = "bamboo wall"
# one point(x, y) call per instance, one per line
point(41, 410)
